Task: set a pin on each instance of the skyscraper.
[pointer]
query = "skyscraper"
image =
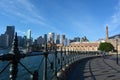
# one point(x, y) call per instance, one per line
point(45, 38)
point(63, 39)
point(66, 42)
point(10, 32)
point(29, 40)
point(29, 34)
point(51, 37)
point(57, 39)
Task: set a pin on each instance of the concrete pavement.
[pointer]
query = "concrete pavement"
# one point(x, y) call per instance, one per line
point(96, 69)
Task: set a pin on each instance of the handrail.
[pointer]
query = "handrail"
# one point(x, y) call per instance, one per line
point(15, 56)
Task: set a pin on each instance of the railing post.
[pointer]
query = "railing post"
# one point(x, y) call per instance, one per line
point(45, 63)
point(61, 59)
point(13, 69)
point(65, 56)
point(70, 61)
point(68, 56)
point(73, 56)
point(15, 59)
point(45, 66)
point(55, 62)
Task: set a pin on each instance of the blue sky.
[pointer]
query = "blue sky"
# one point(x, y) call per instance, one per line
point(70, 17)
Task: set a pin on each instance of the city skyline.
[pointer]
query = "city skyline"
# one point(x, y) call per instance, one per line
point(72, 18)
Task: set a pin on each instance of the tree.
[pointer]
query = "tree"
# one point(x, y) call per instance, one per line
point(106, 47)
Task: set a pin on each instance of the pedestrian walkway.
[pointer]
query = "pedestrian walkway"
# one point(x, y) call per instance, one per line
point(96, 69)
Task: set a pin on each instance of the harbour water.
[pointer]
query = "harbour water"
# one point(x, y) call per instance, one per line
point(4, 51)
point(31, 63)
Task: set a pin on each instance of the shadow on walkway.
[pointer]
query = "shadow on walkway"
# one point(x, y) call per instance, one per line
point(78, 72)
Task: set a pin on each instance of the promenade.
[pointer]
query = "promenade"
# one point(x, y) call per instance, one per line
point(96, 69)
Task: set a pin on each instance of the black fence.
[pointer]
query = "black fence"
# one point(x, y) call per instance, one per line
point(56, 64)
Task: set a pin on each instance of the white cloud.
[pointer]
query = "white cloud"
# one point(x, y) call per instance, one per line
point(25, 12)
point(21, 8)
point(114, 23)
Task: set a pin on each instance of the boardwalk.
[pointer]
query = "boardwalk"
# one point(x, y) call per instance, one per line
point(96, 69)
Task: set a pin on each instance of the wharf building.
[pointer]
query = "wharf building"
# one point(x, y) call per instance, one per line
point(84, 46)
point(114, 40)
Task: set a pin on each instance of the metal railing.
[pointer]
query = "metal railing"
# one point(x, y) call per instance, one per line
point(62, 60)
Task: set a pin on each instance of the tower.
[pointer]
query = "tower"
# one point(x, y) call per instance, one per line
point(106, 34)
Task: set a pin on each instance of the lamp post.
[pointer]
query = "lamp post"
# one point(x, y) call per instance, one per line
point(117, 51)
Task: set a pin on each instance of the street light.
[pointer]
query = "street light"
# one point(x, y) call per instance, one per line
point(117, 51)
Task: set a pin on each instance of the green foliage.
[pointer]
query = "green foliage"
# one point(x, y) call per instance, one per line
point(106, 47)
